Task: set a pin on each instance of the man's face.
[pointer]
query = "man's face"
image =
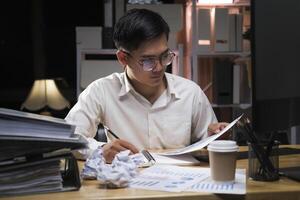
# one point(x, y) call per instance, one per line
point(152, 50)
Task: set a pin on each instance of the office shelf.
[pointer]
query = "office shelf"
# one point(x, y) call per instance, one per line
point(212, 46)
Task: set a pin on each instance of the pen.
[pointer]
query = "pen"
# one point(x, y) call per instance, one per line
point(148, 156)
point(265, 162)
point(146, 153)
point(270, 144)
point(110, 131)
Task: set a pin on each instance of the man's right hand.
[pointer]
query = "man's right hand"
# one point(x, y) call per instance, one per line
point(112, 148)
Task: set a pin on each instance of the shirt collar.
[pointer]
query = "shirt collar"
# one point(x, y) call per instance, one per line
point(171, 86)
point(126, 85)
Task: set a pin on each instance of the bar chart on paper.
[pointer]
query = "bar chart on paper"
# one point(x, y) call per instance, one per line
point(176, 179)
point(168, 178)
point(236, 187)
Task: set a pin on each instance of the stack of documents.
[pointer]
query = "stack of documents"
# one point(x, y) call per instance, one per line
point(32, 177)
point(16, 123)
point(23, 133)
point(16, 146)
point(39, 175)
point(32, 150)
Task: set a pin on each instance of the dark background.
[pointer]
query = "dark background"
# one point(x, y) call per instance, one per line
point(276, 66)
point(24, 24)
point(38, 40)
point(55, 23)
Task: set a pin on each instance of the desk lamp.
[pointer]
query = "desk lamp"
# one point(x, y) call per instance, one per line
point(43, 95)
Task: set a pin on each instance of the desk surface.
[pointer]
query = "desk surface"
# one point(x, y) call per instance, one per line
point(282, 189)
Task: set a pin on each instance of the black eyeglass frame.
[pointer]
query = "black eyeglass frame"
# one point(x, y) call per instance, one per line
point(153, 61)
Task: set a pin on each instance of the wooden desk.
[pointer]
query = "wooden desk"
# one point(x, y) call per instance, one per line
point(284, 189)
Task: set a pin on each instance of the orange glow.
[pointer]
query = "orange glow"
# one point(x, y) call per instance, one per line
point(219, 2)
point(188, 23)
point(204, 42)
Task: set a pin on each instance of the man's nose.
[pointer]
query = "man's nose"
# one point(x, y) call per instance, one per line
point(159, 67)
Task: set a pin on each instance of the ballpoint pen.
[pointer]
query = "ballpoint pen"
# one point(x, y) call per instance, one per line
point(146, 153)
point(258, 150)
point(270, 144)
point(148, 156)
point(110, 131)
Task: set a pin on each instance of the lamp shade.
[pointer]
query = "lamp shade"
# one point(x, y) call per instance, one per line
point(45, 93)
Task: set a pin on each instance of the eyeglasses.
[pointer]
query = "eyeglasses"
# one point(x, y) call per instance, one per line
point(148, 64)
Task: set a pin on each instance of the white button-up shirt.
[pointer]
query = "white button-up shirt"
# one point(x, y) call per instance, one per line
point(179, 117)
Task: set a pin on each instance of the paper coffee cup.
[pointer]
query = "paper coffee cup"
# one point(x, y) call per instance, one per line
point(222, 160)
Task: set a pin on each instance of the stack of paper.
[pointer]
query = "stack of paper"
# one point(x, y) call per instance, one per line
point(23, 133)
point(39, 175)
point(20, 179)
point(31, 150)
point(17, 123)
point(16, 146)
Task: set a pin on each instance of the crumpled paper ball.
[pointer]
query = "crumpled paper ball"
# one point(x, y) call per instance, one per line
point(114, 175)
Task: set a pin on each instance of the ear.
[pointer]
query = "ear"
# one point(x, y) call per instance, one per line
point(122, 58)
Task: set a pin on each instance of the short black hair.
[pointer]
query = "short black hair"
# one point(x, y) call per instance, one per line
point(138, 26)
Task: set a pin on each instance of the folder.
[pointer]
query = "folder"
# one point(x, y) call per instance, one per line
point(39, 175)
point(15, 146)
point(24, 134)
point(204, 30)
point(18, 123)
point(35, 154)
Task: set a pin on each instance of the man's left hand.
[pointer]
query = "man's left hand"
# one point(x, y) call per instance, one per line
point(216, 128)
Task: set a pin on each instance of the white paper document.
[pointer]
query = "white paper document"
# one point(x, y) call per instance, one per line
point(208, 185)
point(176, 179)
point(168, 178)
point(186, 159)
point(202, 143)
point(181, 160)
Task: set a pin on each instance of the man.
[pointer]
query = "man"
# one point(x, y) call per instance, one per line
point(144, 106)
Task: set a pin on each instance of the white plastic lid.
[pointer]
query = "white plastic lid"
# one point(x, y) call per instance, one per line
point(223, 146)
